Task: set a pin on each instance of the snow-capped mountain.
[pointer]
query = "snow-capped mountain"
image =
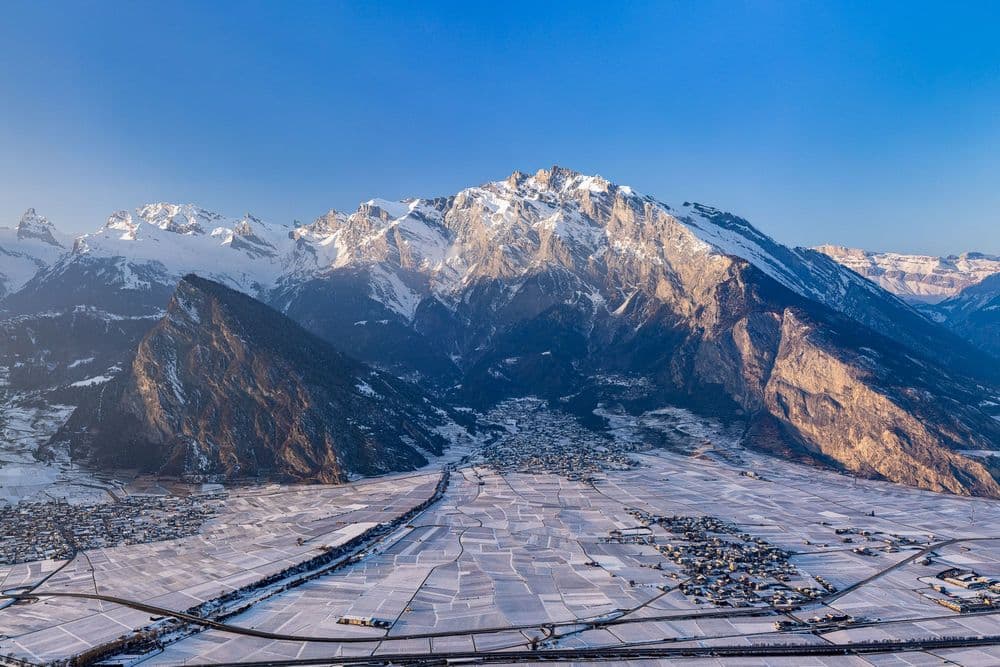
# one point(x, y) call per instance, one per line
point(607, 241)
point(917, 278)
point(132, 263)
point(421, 249)
point(181, 239)
point(31, 246)
point(557, 217)
point(550, 283)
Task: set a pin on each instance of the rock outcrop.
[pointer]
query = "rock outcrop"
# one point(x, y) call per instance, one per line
point(843, 406)
point(225, 386)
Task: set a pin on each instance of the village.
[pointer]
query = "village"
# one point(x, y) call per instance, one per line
point(57, 529)
point(536, 439)
point(721, 565)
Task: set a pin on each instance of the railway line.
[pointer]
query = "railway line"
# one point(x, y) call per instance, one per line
point(617, 654)
point(543, 647)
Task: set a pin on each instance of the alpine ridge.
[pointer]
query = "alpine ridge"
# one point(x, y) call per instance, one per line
point(570, 287)
point(975, 313)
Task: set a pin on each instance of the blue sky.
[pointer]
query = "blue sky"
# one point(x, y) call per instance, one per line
point(865, 124)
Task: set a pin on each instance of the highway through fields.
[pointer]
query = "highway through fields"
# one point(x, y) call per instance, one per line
point(619, 654)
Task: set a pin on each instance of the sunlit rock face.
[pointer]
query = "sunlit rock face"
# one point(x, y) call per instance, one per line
point(539, 283)
point(917, 278)
point(225, 386)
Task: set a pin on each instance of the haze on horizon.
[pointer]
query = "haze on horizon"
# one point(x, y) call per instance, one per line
point(872, 127)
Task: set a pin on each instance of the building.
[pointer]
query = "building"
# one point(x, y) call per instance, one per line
point(967, 579)
point(366, 621)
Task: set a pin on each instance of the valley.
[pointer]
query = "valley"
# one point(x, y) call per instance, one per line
point(513, 557)
point(544, 418)
point(433, 334)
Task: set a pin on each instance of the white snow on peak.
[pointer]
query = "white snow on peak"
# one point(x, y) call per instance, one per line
point(34, 244)
point(917, 278)
point(183, 239)
point(442, 243)
point(34, 227)
point(121, 221)
point(179, 218)
point(395, 209)
point(418, 247)
point(388, 289)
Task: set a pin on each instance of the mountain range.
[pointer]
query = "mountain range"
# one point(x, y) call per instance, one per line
point(959, 291)
point(922, 279)
point(557, 284)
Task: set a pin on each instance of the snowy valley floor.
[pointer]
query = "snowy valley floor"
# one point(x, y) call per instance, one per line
point(509, 558)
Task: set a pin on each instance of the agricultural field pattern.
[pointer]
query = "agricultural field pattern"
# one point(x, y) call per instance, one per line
point(695, 549)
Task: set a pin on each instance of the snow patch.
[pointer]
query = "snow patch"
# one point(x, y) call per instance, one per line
point(90, 382)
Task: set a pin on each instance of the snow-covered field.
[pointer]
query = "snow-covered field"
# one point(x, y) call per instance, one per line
point(525, 548)
point(26, 422)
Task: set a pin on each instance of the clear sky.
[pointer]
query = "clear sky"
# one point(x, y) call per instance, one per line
point(864, 124)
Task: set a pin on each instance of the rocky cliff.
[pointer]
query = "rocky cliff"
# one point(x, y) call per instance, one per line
point(225, 386)
point(849, 406)
point(917, 278)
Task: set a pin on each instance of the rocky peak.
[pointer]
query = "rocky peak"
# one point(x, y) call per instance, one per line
point(321, 228)
point(121, 221)
point(554, 178)
point(516, 179)
point(34, 226)
point(383, 210)
point(225, 386)
point(179, 218)
point(245, 226)
point(329, 222)
point(246, 238)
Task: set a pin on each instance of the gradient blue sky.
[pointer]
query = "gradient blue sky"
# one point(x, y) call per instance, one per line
point(865, 124)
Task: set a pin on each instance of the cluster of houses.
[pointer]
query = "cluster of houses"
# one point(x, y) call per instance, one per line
point(972, 592)
point(722, 565)
point(540, 441)
point(57, 529)
point(874, 540)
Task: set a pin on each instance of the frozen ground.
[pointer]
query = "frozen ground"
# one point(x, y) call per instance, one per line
point(257, 532)
point(27, 421)
point(511, 556)
point(512, 551)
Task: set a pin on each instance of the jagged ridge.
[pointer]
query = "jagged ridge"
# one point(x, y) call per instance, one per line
point(541, 283)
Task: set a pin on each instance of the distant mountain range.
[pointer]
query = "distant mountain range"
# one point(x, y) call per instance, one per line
point(960, 291)
point(557, 284)
point(917, 278)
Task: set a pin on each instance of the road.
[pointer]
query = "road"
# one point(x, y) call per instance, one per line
point(646, 653)
point(547, 630)
point(832, 597)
